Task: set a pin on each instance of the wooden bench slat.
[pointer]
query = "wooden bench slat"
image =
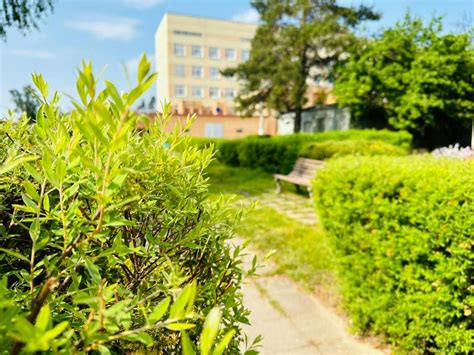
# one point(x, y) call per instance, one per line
point(303, 172)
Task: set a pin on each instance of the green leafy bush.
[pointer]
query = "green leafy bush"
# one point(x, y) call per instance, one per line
point(402, 139)
point(228, 152)
point(108, 237)
point(279, 153)
point(269, 154)
point(325, 150)
point(402, 230)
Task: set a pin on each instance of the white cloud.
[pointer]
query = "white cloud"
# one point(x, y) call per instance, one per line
point(39, 54)
point(142, 4)
point(249, 16)
point(114, 28)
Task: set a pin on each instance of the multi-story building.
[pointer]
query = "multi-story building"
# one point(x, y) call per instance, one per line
point(190, 53)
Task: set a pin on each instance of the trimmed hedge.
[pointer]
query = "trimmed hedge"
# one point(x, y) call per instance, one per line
point(325, 150)
point(279, 153)
point(402, 229)
point(401, 139)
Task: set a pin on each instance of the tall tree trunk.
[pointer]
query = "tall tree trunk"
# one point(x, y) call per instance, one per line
point(297, 126)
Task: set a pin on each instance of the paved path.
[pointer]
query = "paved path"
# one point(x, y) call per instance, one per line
point(291, 320)
point(297, 207)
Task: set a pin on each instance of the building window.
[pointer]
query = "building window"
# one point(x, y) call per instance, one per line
point(214, 53)
point(214, 73)
point(197, 91)
point(229, 93)
point(214, 93)
point(214, 130)
point(197, 71)
point(179, 50)
point(179, 70)
point(196, 51)
point(244, 54)
point(180, 91)
point(229, 54)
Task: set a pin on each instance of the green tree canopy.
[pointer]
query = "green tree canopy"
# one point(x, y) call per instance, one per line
point(297, 41)
point(22, 14)
point(25, 101)
point(412, 77)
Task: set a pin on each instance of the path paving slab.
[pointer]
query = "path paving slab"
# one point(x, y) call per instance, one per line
point(290, 319)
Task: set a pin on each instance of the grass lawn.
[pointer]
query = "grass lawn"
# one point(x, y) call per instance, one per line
point(302, 251)
point(240, 181)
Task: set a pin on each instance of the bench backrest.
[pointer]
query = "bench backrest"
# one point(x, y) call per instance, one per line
point(306, 168)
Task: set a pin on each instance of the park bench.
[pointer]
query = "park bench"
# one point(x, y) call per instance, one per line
point(302, 174)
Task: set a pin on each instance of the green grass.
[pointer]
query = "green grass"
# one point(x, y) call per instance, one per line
point(242, 181)
point(236, 180)
point(302, 251)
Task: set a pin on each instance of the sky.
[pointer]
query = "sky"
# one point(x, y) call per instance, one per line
point(114, 33)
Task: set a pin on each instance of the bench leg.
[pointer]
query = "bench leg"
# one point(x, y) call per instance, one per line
point(310, 191)
point(278, 186)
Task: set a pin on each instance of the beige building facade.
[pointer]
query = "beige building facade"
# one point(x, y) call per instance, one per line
point(190, 53)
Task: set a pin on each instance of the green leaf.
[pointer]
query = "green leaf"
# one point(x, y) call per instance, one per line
point(46, 202)
point(178, 307)
point(220, 348)
point(112, 91)
point(211, 327)
point(103, 350)
point(93, 271)
point(180, 326)
point(188, 348)
point(30, 189)
point(44, 317)
point(56, 331)
point(160, 310)
point(15, 254)
point(141, 337)
point(13, 162)
point(143, 68)
point(32, 171)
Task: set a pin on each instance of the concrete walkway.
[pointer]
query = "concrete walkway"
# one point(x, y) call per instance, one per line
point(291, 320)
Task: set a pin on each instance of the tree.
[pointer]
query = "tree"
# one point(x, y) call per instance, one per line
point(297, 41)
point(412, 77)
point(25, 102)
point(22, 14)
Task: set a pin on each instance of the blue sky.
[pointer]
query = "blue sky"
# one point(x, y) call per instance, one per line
point(116, 32)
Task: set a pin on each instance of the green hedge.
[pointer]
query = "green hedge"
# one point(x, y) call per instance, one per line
point(399, 138)
point(269, 154)
point(403, 229)
point(325, 150)
point(279, 153)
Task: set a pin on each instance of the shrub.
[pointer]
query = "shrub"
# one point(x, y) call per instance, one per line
point(228, 152)
point(279, 153)
point(399, 138)
point(108, 237)
point(325, 150)
point(269, 154)
point(402, 230)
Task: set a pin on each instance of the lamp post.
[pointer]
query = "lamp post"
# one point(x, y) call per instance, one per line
point(261, 129)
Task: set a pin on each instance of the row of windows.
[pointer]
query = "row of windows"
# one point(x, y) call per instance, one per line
point(198, 92)
point(197, 51)
point(197, 71)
